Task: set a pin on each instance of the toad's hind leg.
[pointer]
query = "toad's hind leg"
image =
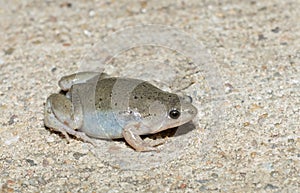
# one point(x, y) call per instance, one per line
point(66, 82)
point(59, 116)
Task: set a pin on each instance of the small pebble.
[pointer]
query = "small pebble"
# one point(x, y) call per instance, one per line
point(261, 37)
point(9, 51)
point(275, 30)
point(12, 119)
point(50, 139)
point(31, 162)
point(53, 69)
point(11, 140)
point(87, 33)
point(78, 155)
point(92, 13)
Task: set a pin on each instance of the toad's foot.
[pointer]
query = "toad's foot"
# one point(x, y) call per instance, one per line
point(155, 142)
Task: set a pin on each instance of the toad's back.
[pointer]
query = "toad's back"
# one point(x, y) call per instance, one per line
point(119, 101)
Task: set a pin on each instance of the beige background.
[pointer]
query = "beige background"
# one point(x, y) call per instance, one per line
point(254, 147)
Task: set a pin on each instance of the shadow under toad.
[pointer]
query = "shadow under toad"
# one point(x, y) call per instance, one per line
point(169, 133)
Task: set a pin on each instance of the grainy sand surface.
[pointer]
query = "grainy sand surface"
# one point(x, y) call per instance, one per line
point(244, 139)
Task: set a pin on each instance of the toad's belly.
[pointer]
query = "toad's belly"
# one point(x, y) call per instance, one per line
point(106, 125)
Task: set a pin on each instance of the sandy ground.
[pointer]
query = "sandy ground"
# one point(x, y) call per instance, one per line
point(247, 141)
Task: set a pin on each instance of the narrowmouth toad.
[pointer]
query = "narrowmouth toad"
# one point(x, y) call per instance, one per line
point(98, 106)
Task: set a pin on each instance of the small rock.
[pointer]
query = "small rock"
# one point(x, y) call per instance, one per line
point(78, 155)
point(87, 33)
point(228, 88)
point(277, 74)
point(45, 163)
point(50, 139)
point(11, 140)
point(9, 51)
point(274, 173)
point(12, 119)
point(92, 13)
point(261, 37)
point(275, 30)
point(31, 162)
point(66, 4)
point(214, 175)
point(270, 187)
point(53, 69)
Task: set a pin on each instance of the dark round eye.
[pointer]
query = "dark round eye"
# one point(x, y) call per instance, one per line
point(174, 114)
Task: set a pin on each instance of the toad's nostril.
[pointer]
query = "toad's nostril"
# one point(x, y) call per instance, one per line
point(193, 110)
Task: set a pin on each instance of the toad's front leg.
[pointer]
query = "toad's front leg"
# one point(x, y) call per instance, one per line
point(130, 134)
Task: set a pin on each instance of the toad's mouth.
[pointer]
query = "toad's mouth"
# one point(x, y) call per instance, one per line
point(187, 115)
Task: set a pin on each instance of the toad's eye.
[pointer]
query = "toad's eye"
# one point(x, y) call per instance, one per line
point(174, 114)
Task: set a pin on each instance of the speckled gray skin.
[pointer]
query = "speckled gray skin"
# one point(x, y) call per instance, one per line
point(105, 107)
